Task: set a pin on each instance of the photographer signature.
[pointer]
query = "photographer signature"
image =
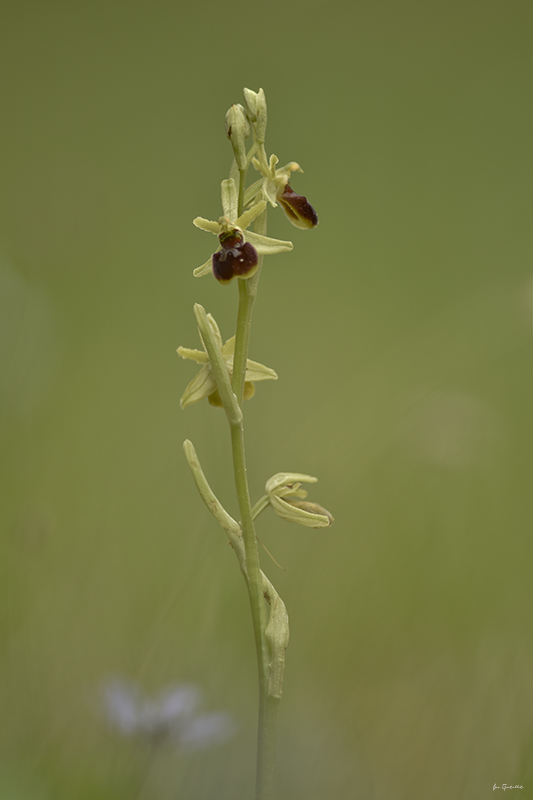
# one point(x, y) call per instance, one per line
point(505, 786)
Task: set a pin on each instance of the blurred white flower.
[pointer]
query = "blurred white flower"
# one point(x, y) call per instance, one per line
point(170, 715)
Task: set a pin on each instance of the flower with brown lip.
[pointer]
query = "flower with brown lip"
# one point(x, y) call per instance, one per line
point(235, 258)
point(274, 187)
point(237, 254)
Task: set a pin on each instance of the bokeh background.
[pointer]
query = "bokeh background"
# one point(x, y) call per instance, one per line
point(400, 330)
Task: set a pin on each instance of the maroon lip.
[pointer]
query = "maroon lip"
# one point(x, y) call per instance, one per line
point(237, 258)
point(298, 208)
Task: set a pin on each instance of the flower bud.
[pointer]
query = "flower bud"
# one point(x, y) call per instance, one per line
point(256, 109)
point(238, 128)
point(283, 488)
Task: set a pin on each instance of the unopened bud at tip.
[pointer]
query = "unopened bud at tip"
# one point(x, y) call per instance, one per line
point(238, 128)
point(256, 109)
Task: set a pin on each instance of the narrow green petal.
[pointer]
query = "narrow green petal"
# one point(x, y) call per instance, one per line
point(270, 190)
point(205, 269)
point(272, 162)
point(229, 199)
point(254, 370)
point(271, 250)
point(287, 478)
point(293, 491)
point(252, 190)
point(313, 509)
point(201, 386)
point(248, 216)
point(207, 225)
point(228, 348)
point(265, 245)
point(234, 171)
point(298, 515)
point(199, 356)
point(258, 372)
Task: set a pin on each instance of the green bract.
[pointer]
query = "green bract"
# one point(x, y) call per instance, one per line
point(264, 245)
point(204, 384)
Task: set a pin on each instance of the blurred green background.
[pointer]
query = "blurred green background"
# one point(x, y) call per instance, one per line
point(400, 330)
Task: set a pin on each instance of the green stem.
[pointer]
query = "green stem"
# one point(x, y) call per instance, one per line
point(267, 745)
point(255, 580)
point(270, 647)
point(267, 722)
point(247, 296)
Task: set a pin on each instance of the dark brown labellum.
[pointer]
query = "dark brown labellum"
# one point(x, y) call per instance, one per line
point(237, 257)
point(298, 209)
